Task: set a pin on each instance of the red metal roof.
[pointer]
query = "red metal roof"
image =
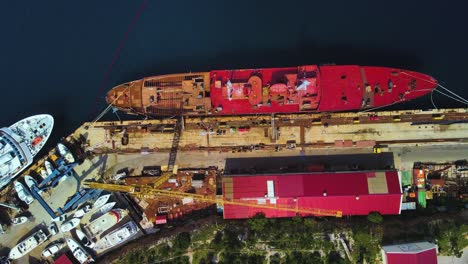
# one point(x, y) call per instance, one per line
point(348, 192)
point(63, 260)
point(426, 257)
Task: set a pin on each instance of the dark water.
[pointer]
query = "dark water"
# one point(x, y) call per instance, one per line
point(55, 54)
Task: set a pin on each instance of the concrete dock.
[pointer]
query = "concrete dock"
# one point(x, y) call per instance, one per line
point(426, 136)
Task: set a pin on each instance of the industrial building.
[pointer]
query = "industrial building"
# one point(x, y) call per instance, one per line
point(350, 192)
point(410, 253)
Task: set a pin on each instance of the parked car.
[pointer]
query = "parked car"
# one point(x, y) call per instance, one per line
point(60, 218)
point(53, 229)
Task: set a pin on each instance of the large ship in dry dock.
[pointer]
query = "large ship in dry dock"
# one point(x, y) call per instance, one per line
point(308, 88)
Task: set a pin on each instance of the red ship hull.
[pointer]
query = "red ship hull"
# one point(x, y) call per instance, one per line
point(271, 90)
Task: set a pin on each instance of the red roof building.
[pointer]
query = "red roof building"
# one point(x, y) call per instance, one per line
point(352, 193)
point(411, 253)
point(63, 259)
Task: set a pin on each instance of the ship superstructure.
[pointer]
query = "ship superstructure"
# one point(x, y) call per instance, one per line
point(309, 88)
point(20, 142)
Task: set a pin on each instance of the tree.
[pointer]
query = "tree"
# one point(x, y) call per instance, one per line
point(258, 223)
point(375, 217)
point(182, 241)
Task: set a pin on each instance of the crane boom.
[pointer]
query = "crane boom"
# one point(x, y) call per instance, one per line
point(144, 191)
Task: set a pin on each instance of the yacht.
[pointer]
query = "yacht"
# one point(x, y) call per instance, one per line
point(78, 252)
point(20, 142)
point(104, 222)
point(117, 236)
point(30, 243)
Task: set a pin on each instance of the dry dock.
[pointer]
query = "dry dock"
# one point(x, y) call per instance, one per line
point(427, 136)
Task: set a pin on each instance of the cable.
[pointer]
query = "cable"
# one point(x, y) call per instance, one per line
point(432, 101)
point(452, 97)
point(117, 54)
point(461, 98)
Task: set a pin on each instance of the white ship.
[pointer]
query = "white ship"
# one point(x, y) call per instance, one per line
point(20, 142)
point(105, 222)
point(27, 245)
point(117, 236)
point(78, 252)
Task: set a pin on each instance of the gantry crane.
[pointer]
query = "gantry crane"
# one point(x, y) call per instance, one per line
point(146, 191)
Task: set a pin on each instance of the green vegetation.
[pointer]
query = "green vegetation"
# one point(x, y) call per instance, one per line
point(451, 237)
point(302, 240)
point(375, 217)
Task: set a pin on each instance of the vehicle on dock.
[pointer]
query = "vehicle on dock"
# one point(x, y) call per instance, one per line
point(30, 243)
point(69, 225)
point(53, 248)
point(19, 220)
point(53, 229)
point(79, 252)
point(20, 142)
point(117, 236)
point(23, 193)
point(84, 239)
point(105, 222)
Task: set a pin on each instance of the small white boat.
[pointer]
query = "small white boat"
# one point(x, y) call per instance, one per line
point(19, 220)
point(69, 225)
point(53, 248)
point(49, 168)
point(30, 181)
point(78, 252)
point(84, 239)
point(65, 153)
point(23, 193)
point(101, 201)
point(117, 236)
point(25, 246)
point(44, 173)
point(82, 211)
point(106, 208)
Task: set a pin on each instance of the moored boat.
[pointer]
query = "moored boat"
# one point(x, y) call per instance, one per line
point(302, 89)
point(79, 252)
point(20, 142)
point(104, 222)
point(30, 243)
point(84, 239)
point(117, 236)
point(101, 201)
point(107, 207)
point(69, 225)
point(65, 153)
point(23, 193)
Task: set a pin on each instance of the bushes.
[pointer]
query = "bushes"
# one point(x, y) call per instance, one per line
point(375, 217)
point(182, 242)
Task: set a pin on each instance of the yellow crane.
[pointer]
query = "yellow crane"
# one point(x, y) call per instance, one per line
point(146, 191)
